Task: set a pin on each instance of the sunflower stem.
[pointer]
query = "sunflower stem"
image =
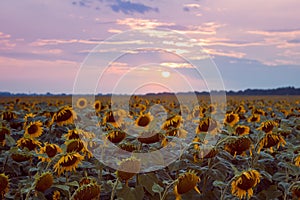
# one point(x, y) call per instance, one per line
point(114, 189)
point(166, 190)
point(225, 189)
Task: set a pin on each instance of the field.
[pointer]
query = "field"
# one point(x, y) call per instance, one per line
point(152, 147)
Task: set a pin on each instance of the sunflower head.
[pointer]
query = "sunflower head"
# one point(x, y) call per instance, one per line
point(254, 118)
point(128, 168)
point(8, 115)
point(20, 155)
point(143, 120)
point(4, 185)
point(186, 182)
point(68, 162)
point(242, 130)
point(86, 180)
point(207, 125)
point(270, 140)
point(43, 182)
point(128, 147)
point(29, 143)
point(3, 132)
point(297, 160)
point(97, 106)
point(267, 126)
point(81, 103)
point(88, 191)
point(51, 150)
point(56, 195)
point(231, 119)
point(116, 136)
point(244, 183)
point(76, 145)
point(115, 118)
point(149, 137)
point(238, 145)
point(172, 122)
point(65, 115)
point(34, 129)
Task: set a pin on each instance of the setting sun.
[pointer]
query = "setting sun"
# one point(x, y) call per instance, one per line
point(165, 74)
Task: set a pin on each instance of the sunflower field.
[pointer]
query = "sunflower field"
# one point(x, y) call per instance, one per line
point(52, 148)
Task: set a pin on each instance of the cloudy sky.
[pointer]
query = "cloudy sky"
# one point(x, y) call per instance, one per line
point(47, 46)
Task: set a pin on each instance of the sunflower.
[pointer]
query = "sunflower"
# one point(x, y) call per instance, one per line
point(186, 182)
point(128, 147)
point(56, 195)
point(267, 126)
point(149, 137)
point(3, 132)
point(81, 103)
point(65, 115)
point(115, 118)
point(238, 145)
point(116, 136)
point(231, 119)
point(29, 117)
point(242, 130)
point(19, 155)
point(4, 185)
point(128, 168)
point(144, 120)
point(269, 140)
point(243, 183)
point(34, 129)
point(97, 106)
point(8, 115)
point(51, 150)
point(254, 118)
point(86, 181)
point(205, 153)
point(88, 191)
point(43, 182)
point(29, 143)
point(79, 133)
point(68, 162)
point(172, 122)
point(259, 112)
point(207, 125)
point(240, 109)
point(77, 145)
point(198, 112)
point(297, 160)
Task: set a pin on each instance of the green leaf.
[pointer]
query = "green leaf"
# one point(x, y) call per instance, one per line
point(127, 193)
point(219, 184)
point(73, 184)
point(157, 188)
point(147, 181)
point(62, 187)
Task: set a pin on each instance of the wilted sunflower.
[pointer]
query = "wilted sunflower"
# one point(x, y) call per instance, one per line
point(116, 136)
point(87, 192)
point(68, 162)
point(267, 126)
point(128, 168)
point(4, 185)
point(144, 120)
point(34, 129)
point(207, 125)
point(231, 119)
point(172, 122)
point(297, 160)
point(3, 132)
point(242, 130)
point(43, 182)
point(8, 115)
point(51, 150)
point(56, 195)
point(81, 103)
point(29, 143)
point(65, 115)
point(243, 183)
point(19, 155)
point(254, 118)
point(269, 140)
point(238, 145)
point(186, 182)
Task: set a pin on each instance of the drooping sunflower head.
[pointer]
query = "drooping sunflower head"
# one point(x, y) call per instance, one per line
point(143, 120)
point(29, 143)
point(172, 122)
point(97, 106)
point(76, 145)
point(240, 109)
point(116, 136)
point(149, 137)
point(3, 132)
point(243, 184)
point(68, 162)
point(254, 118)
point(115, 118)
point(19, 155)
point(34, 129)
point(128, 168)
point(81, 103)
point(270, 140)
point(4, 185)
point(242, 130)
point(88, 191)
point(65, 115)
point(51, 150)
point(267, 126)
point(231, 119)
point(238, 145)
point(43, 182)
point(207, 124)
point(8, 115)
point(186, 182)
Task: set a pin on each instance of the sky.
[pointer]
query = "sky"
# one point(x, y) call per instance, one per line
point(135, 46)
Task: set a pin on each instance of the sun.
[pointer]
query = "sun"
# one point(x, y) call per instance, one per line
point(165, 74)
